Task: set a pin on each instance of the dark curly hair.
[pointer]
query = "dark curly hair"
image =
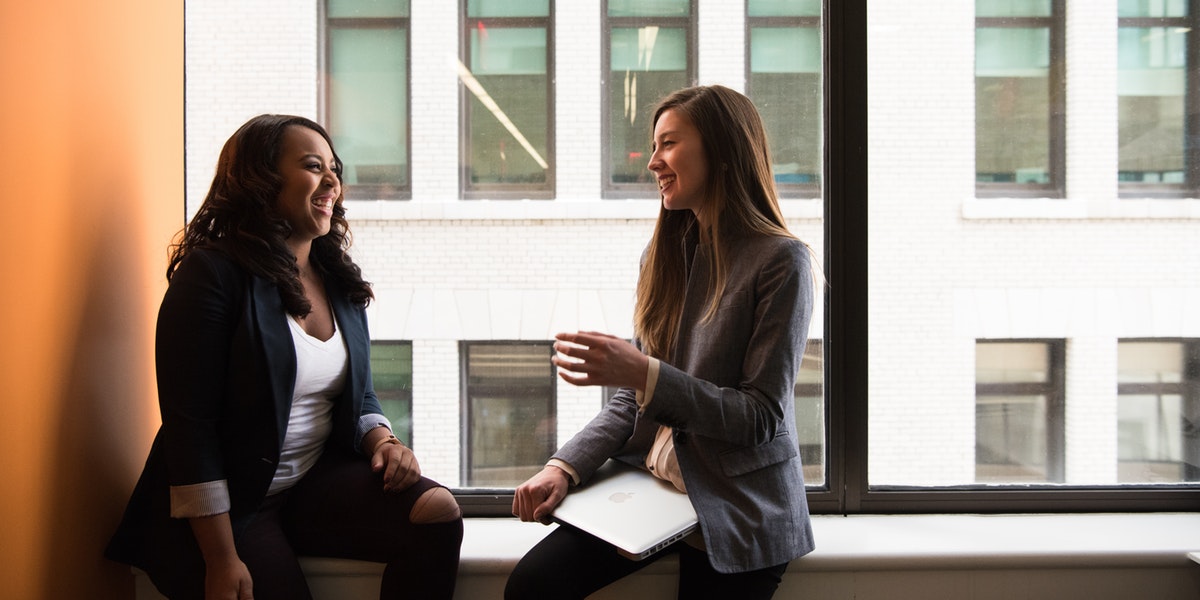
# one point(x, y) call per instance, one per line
point(239, 218)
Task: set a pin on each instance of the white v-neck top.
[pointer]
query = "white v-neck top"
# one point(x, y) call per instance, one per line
point(320, 375)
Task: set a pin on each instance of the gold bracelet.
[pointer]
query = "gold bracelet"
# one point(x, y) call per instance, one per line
point(391, 439)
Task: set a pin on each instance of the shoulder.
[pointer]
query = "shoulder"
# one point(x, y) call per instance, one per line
point(208, 264)
point(776, 250)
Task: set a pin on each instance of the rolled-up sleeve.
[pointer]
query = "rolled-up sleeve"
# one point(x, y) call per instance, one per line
point(200, 499)
point(644, 396)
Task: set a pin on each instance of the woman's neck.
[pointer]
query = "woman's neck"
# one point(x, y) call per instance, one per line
point(301, 251)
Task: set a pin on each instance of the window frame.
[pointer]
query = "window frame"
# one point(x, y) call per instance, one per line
point(690, 25)
point(1191, 101)
point(327, 24)
point(502, 191)
point(1057, 108)
point(846, 321)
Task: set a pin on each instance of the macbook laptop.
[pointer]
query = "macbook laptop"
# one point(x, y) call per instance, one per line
point(630, 509)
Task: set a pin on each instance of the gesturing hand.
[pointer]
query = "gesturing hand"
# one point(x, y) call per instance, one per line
point(592, 358)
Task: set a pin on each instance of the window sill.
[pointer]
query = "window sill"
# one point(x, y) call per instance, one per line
point(925, 542)
point(1057, 208)
point(898, 557)
point(521, 210)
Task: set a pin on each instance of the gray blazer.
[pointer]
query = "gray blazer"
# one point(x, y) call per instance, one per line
point(728, 393)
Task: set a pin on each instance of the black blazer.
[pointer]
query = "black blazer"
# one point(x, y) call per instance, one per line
point(226, 368)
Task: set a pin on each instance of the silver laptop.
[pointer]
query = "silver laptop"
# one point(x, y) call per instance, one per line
point(630, 509)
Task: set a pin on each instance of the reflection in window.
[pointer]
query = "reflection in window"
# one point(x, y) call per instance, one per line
point(510, 411)
point(1158, 411)
point(650, 54)
point(785, 84)
point(1019, 133)
point(367, 95)
point(392, 375)
point(507, 98)
point(1019, 395)
point(1152, 92)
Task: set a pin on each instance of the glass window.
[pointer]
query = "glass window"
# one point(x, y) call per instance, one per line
point(1018, 412)
point(918, 276)
point(784, 80)
point(1158, 411)
point(1019, 97)
point(650, 53)
point(507, 99)
point(392, 375)
point(810, 413)
point(366, 95)
point(510, 411)
point(1153, 39)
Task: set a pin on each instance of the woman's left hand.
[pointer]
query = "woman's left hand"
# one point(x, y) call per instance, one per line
point(592, 358)
point(399, 466)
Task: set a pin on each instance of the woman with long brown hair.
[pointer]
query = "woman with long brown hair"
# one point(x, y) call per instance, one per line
point(705, 399)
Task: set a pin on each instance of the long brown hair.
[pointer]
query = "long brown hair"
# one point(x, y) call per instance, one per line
point(740, 200)
point(239, 217)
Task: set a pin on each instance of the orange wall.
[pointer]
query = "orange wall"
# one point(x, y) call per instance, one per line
point(91, 174)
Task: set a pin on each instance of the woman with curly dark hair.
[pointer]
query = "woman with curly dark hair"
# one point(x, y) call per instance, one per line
point(273, 444)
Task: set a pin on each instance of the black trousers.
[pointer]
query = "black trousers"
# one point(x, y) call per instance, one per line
point(570, 564)
point(340, 510)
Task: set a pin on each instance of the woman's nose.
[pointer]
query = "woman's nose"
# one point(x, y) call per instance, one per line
point(654, 163)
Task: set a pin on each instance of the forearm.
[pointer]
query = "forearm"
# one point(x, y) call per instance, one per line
point(214, 535)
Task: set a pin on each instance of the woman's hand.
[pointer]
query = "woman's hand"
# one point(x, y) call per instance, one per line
point(225, 575)
point(535, 499)
point(591, 358)
point(397, 463)
point(229, 580)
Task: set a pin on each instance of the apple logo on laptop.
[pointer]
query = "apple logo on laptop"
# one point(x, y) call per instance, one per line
point(620, 497)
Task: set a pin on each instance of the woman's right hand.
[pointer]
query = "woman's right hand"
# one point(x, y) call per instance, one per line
point(225, 575)
point(535, 499)
point(228, 581)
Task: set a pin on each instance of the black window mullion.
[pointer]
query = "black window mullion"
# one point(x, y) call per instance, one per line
point(845, 206)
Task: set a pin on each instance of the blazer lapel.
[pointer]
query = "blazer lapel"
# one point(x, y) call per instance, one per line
point(279, 351)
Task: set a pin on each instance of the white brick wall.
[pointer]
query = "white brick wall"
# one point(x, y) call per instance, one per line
point(945, 268)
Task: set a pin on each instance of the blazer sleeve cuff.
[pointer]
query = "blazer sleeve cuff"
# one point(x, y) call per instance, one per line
point(643, 398)
point(200, 499)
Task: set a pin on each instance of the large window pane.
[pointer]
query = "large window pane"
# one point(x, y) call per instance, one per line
point(510, 412)
point(508, 100)
point(367, 102)
point(995, 309)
